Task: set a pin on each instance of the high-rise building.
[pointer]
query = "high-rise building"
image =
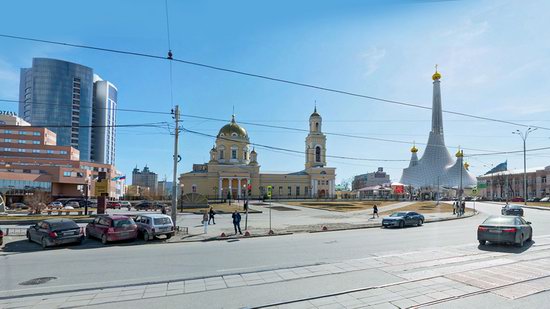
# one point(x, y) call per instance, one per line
point(58, 94)
point(103, 120)
point(145, 178)
point(63, 97)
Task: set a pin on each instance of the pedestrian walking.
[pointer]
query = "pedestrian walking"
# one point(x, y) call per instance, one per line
point(237, 222)
point(462, 208)
point(205, 221)
point(375, 211)
point(163, 209)
point(211, 215)
point(454, 208)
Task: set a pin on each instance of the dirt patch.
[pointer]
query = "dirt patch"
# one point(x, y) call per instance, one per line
point(346, 206)
point(424, 207)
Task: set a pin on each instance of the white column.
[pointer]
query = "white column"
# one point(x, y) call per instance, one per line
point(240, 189)
point(220, 189)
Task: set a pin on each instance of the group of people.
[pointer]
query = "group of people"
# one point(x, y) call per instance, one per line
point(459, 208)
point(209, 216)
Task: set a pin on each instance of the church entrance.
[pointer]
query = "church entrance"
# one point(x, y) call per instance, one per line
point(321, 194)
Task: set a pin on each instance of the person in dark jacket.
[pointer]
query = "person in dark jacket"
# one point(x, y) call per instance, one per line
point(211, 215)
point(237, 222)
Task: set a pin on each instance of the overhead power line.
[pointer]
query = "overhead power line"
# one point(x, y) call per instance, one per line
point(265, 77)
point(292, 150)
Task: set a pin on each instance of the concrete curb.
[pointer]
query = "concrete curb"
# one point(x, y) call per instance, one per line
point(537, 207)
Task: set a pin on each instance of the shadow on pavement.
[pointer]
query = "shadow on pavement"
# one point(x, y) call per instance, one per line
point(25, 246)
point(492, 247)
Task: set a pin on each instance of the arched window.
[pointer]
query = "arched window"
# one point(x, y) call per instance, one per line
point(318, 154)
point(316, 126)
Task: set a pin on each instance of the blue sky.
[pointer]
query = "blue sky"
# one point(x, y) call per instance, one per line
point(493, 56)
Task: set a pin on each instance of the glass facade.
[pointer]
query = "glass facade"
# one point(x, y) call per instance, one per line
point(104, 118)
point(24, 184)
point(57, 93)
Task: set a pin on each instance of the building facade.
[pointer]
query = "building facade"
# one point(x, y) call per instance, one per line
point(436, 167)
point(370, 179)
point(510, 184)
point(104, 120)
point(145, 178)
point(30, 159)
point(233, 166)
point(60, 96)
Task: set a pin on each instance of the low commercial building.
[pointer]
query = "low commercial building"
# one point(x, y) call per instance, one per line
point(509, 184)
point(377, 178)
point(30, 160)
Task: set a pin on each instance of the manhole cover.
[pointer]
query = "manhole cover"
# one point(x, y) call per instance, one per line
point(36, 281)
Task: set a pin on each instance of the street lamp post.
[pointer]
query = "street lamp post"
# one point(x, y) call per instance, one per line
point(524, 138)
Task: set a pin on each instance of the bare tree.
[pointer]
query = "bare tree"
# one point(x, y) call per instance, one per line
point(37, 201)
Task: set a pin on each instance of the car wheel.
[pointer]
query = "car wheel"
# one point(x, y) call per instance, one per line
point(145, 236)
point(521, 241)
point(401, 224)
point(530, 237)
point(44, 243)
point(168, 236)
point(104, 239)
point(420, 222)
point(482, 242)
point(29, 237)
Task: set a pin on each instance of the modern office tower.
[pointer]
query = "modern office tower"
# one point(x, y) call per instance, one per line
point(104, 120)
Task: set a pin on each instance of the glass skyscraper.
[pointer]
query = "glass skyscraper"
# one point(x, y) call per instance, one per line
point(60, 96)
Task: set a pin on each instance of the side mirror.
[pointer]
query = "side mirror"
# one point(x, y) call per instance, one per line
point(528, 222)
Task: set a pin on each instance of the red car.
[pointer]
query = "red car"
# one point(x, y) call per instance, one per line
point(517, 199)
point(112, 228)
point(114, 205)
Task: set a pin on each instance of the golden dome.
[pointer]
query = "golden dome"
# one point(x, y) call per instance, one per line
point(459, 154)
point(466, 165)
point(414, 149)
point(232, 129)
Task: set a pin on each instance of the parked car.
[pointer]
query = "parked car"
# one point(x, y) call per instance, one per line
point(402, 219)
point(153, 225)
point(511, 210)
point(533, 199)
point(113, 205)
point(55, 204)
point(505, 229)
point(545, 199)
point(19, 206)
point(517, 199)
point(112, 228)
point(73, 204)
point(53, 232)
point(1, 237)
point(148, 206)
point(125, 204)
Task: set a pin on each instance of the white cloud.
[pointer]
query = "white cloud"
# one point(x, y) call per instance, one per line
point(372, 58)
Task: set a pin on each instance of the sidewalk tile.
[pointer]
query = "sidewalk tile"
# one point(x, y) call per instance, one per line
point(383, 306)
point(155, 294)
point(78, 303)
point(174, 292)
point(299, 305)
point(80, 297)
point(323, 301)
point(331, 306)
point(404, 303)
point(422, 299)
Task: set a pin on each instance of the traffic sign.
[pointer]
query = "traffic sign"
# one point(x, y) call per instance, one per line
point(269, 191)
point(102, 187)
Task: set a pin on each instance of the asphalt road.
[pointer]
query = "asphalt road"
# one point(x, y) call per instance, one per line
point(94, 265)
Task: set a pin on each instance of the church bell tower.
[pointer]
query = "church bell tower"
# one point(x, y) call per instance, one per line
point(315, 142)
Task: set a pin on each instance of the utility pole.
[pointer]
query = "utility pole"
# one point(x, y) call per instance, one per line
point(176, 113)
point(524, 138)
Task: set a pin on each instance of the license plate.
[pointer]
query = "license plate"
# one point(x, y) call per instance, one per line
point(495, 231)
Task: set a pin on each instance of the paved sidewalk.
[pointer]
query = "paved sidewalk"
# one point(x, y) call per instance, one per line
point(426, 276)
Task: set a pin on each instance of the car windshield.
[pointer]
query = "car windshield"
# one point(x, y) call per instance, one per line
point(160, 221)
point(63, 225)
point(500, 220)
point(398, 214)
point(122, 222)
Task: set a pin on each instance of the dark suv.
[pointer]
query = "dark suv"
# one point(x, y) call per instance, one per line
point(54, 232)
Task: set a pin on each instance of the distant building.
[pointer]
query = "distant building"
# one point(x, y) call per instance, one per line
point(509, 184)
point(370, 179)
point(11, 119)
point(145, 178)
point(61, 96)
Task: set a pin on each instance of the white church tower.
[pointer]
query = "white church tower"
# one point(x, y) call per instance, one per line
point(315, 142)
